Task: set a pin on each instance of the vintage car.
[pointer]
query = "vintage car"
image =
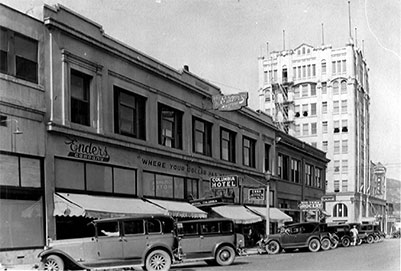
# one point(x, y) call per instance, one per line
point(342, 232)
point(310, 235)
point(212, 240)
point(146, 241)
point(365, 232)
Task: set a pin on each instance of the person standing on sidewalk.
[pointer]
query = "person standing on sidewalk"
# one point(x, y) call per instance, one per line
point(354, 232)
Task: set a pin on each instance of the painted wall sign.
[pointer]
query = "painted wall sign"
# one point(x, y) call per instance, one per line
point(328, 198)
point(87, 151)
point(258, 194)
point(230, 102)
point(223, 182)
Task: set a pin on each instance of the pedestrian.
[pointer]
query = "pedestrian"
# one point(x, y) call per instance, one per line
point(354, 232)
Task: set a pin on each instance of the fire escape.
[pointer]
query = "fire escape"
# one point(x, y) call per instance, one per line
point(284, 103)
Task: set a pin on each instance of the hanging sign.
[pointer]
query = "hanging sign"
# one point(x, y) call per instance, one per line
point(223, 182)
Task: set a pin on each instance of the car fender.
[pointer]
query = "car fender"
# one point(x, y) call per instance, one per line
point(68, 260)
point(219, 245)
point(154, 246)
point(318, 237)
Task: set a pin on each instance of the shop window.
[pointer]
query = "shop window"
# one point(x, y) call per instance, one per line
point(340, 210)
point(80, 97)
point(18, 55)
point(70, 174)
point(124, 181)
point(98, 178)
point(248, 151)
point(130, 114)
point(170, 127)
point(202, 137)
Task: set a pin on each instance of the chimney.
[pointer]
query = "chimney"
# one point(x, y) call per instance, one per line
point(186, 68)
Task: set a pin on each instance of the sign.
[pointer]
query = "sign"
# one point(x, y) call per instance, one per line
point(328, 198)
point(87, 151)
point(230, 102)
point(223, 182)
point(256, 194)
point(310, 205)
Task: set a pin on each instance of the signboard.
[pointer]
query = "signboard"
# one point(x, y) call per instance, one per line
point(223, 182)
point(328, 198)
point(89, 151)
point(230, 102)
point(256, 194)
point(310, 205)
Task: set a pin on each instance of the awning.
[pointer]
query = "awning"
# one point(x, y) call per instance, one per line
point(238, 213)
point(66, 204)
point(275, 214)
point(179, 208)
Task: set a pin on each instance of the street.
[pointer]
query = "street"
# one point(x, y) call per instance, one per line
point(379, 256)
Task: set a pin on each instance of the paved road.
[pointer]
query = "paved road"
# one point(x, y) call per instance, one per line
point(379, 256)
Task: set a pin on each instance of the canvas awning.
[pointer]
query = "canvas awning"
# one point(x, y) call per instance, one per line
point(275, 214)
point(67, 204)
point(179, 208)
point(238, 213)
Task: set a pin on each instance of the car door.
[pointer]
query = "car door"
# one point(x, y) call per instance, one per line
point(289, 236)
point(109, 241)
point(190, 239)
point(305, 231)
point(208, 233)
point(134, 239)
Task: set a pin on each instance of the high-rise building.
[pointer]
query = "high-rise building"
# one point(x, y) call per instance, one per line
point(321, 96)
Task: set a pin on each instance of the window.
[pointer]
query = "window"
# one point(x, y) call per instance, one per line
point(309, 70)
point(336, 186)
point(296, 92)
point(324, 88)
point(170, 127)
point(314, 144)
point(344, 165)
point(343, 87)
point(333, 67)
point(335, 88)
point(80, 97)
point(324, 127)
point(299, 72)
point(344, 107)
point(313, 109)
point(336, 126)
point(313, 90)
point(248, 152)
point(283, 166)
point(324, 107)
point(167, 186)
point(202, 136)
point(275, 75)
point(294, 72)
point(305, 110)
point(297, 130)
point(313, 69)
point(318, 177)
point(336, 107)
point(267, 157)
point(134, 227)
point(265, 76)
point(303, 71)
point(325, 146)
point(344, 125)
point(323, 67)
point(295, 170)
point(336, 146)
point(313, 128)
point(305, 129)
point(308, 174)
point(339, 66)
point(344, 62)
point(153, 226)
point(336, 165)
point(227, 143)
point(297, 110)
point(304, 90)
point(340, 209)
point(129, 114)
point(344, 146)
point(18, 55)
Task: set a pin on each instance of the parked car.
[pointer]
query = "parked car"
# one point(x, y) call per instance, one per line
point(379, 235)
point(311, 235)
point(211, 240)
point(341, 232)
point(147, 241)
point(365, 232)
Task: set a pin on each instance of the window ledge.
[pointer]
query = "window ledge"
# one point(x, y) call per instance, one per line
point(21, 82)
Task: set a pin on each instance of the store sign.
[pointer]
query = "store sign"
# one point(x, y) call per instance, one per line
point(223, 182)
point(87, 151)
point(256, 194)
point(328, 198)
point(310, 205)
point(230, 102)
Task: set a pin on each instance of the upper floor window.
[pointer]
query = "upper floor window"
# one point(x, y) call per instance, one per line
point(313, 128)
point(308, 174)
point(313, 90)
point(333, 67)
point(324, 107)
point(336, 146)
point(336, 186)
point(283, 166)
point(344, 187)
point(324, 88)
point(129, 114)
point(344, 124)
point(227, 144)
point(202, 137)
point(335, 88)
point(336, 107)
point(344, 62)
point(325, 145)
point(313, 69)
point(305, 129)
point(295, 170)
point(304, 90)
point(323, 66)
point(313, 109)
point(267, 157)
point(170, 127)
point(324, 126)
point(318, 177)
point(80, 97)
point(18, 55)
point(344, 106)
point(296, 91)
point(343, 86)
point(248, 151)
point(344, 146)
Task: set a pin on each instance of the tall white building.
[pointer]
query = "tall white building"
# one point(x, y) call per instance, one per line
point(321, 96)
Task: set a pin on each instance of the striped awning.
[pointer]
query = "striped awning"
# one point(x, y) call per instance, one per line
point(179, 208)
point(238, 213)
point(68, 204)
point(275, 214)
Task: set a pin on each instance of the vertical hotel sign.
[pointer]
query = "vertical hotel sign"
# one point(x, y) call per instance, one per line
point(230, 102)
point(87, 151)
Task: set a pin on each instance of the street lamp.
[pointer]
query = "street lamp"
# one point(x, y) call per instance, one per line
point(268, 176)
point(13, 133)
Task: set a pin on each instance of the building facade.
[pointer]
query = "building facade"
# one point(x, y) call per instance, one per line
point(321, 96)
point(110, 131)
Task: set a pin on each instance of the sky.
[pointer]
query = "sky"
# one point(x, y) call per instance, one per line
point(221, 40)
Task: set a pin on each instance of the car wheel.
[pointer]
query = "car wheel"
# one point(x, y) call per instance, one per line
point(370, 239)
point(53, 263)
point(334, 242)
point(345, 242)
point(273, 247)
point(359, 241)
point(314, 245)
point(225, 256)
point(377, 239)
point(158, 260)
point(325, 244)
